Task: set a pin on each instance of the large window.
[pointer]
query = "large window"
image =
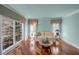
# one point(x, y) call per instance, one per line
point(56, 26)
point(11, 31)
point(7, 32)
point(33, 28)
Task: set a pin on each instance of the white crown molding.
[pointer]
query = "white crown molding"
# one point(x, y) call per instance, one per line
point(72, 13)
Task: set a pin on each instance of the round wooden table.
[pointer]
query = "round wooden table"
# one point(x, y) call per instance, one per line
point(46, 50)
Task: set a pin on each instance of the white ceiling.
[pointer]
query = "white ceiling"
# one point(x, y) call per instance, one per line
point(43, 10)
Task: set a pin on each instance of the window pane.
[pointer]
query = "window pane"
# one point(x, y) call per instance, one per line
point(7, 30)
point(56, 26)
point(18, 31)
point(33, 29)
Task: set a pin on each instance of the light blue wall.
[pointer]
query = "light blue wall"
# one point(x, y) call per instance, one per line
point(44, 25)
point(43, 10)
point(70, 29)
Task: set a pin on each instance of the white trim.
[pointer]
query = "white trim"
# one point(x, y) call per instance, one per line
point(15, 44)
point(76, 46)
point(72, 13)
point(10, 48)
point(1, 18)
point(14, 41)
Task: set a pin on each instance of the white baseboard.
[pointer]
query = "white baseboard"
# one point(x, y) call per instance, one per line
point(76, 46)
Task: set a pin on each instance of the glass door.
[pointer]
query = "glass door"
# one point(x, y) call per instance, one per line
point(18, 31)
point(11, 32)
point(7, 32)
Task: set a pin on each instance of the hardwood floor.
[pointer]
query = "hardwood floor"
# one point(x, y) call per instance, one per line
point(61, 49)
point(69, 49)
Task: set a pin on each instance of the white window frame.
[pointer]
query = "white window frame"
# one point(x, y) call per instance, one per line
point(5, 51)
